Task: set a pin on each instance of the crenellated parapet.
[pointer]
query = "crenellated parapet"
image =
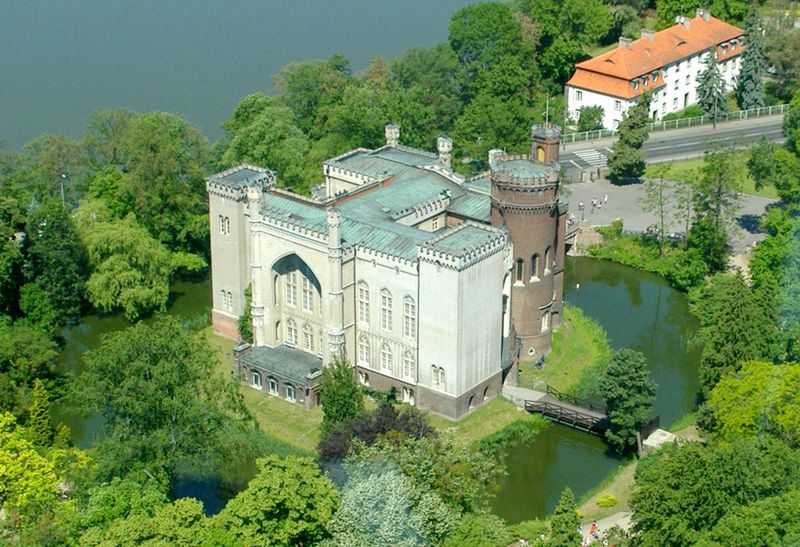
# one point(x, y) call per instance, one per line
point(463, 246)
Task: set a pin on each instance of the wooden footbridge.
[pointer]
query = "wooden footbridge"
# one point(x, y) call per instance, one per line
point(562, 408)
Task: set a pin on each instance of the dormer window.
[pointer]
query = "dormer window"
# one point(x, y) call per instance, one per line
point(636, 84)
point(733, 45)
point(645, 80)
point(724, 49)
point(655, 77)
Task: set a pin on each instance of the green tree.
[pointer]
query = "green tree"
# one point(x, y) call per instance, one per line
point(716, 201)
point(590, 117)
point(750, 81)
point(480, 530)
point(48, 164)
point(761, 397)
point(246, 319)
point(627, 160)
point(791, 125)
point(628, 392)
point(55, 259)
point(729, 343)
point(35, 304)
point(40, 426)
point(711, 89)
point(104, 136)
point(26, 353)
point(165, 159)
point(488, 123)
point(340, 395)
point(161, 399)
point(657, 198)
point(289, 502)
point(683, 491)
point(564, 524)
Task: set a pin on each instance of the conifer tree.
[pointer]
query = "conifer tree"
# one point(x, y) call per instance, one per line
point(711, 89)
point(340, 395)
point(627, 160)
point(564, 524)
point(750, 84)
point(40, 426)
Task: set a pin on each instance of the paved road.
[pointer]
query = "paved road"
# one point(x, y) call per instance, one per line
point(623, 202)
point(674, 144)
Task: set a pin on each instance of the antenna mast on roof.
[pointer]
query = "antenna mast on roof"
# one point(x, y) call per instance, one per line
point(547, 111)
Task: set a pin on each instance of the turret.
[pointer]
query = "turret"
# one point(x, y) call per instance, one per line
point(545, 140)
point(444, 145)
point(392, 134)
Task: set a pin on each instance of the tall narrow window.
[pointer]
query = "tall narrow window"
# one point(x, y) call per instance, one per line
point(363, 350)
point(386, 357)
point(435, 224)
point(363, 302)
point(386, 310)
point(434, 376)
point(535, 267)
point(409, 365)
point(273, 386)
point(409, 317)
point(221, 224)
point(308, 338)
point(256, 380)
point(308, 294)
point(227, 225)
point(290, 392)
point(547, 260)
point(545, 321)
point(291, 332)
point(291, 289)
point(520, 270)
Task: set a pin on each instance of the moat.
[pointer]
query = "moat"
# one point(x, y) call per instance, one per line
point(637, 310)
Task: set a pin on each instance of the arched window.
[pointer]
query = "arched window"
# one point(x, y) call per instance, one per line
point(409, 365)
point(535, 267)
point(308, 338)
point(386, 310)
point(230, 301)
point(291, 289)
point(276, 289)
point(386, 357)
point(437, 377)
point(363, 350)
point(441, 378)
point(308, 294)
point(363, 302)
point(547, 259)
point(409, 317)
point(520, 270)
point(545, 321)
point(291, 332)
point(227, 225)
point(221, 225)
point(289, 392)
point(273, 386)
point(255, 380)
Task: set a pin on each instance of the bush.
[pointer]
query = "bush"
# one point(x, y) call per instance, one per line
point(691, 111)
point(606, 500)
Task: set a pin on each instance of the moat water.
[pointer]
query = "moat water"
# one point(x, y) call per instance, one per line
point(637, 309)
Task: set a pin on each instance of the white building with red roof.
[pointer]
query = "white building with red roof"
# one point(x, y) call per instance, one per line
point(666, 63)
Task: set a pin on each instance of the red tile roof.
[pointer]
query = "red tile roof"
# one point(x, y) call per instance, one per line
point(608, 72)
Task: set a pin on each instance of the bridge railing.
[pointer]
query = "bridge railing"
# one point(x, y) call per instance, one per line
point(577, 401)
point(681, 123)
point(566, 416)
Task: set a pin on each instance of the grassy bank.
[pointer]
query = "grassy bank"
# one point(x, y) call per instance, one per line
point(484, 422)
point(580, 350)
point(687, 171)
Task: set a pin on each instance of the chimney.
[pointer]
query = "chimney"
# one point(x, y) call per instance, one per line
point(704, 13)
point(494, 155)
point(681, 20)
point(444, 145)
point(649, 34)
point(392, 134)
point(625, 42)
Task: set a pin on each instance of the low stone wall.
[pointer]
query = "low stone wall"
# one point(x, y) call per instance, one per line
point(224, 325)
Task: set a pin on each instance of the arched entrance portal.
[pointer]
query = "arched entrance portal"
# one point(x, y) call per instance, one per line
point(296, 305)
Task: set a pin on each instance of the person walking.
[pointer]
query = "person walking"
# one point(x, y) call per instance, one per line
point(605, 198)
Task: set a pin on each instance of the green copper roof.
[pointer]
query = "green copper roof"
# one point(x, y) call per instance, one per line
point(525, 169)
point(463, 240)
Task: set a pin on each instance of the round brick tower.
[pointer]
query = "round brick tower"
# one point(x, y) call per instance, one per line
point(525, 199)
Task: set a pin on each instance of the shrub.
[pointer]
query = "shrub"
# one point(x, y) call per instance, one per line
point(606, 500)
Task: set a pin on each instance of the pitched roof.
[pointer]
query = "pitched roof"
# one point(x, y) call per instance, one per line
point(647, 55)
point(610, 85)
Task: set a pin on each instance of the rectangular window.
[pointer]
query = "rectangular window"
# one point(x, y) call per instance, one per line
point(435, 224)
point(308, 295)
point(617, 105)
point(290, 393)
point(636, 84)
point(273, 386)
point(408, 365)
point(675, 102)
point(409, 318)
point(308, 341)
point(677, 83)
point(291, 333)
point(363, 304)
point(655, 77)
point(291, 289)
point(578, 95)
point(687, 79)
point(221, 224)
point(386, 311)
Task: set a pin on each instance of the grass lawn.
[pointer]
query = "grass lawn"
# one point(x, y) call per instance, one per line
point(483, 422)
point(619, 484)
point(282, 420)
point(684, 172)
point(580, 348)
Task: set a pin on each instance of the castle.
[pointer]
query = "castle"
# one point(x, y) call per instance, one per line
point(425, 281)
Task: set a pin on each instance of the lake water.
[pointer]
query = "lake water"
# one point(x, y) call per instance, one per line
point(637, 309)
point(61, 61)
point(640, 311)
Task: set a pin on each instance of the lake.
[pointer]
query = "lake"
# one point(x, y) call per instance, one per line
point(61, 61)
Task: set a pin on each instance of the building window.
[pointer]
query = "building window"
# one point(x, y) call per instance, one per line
point(227, 225)
point(363, 378)
point(664, 108)
point(363, 350)
point(645, 80)
point(688, 79)
point(308, 294)
point(291, 333)
point(435, 224)
point(618, 105)
point(675, 102)
point(636, 84)
point(655, 77)
point(520, 270)
point(547, 260)
point(437, 377)
point(578, 95)
point(386, 310)
point(409, 317)
point(386, 357)
point(409, 365)
point(545, 321)
point(221, 225)
point(255, 380)
point(677, 83)
point(535, 267)
point(291, 289)
point(308, 338)
point(724, 49)
point(363, 302)
point(616, 124)
point(677, 68)
point(289, 392)
point(273, 386)
point(733, 46)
